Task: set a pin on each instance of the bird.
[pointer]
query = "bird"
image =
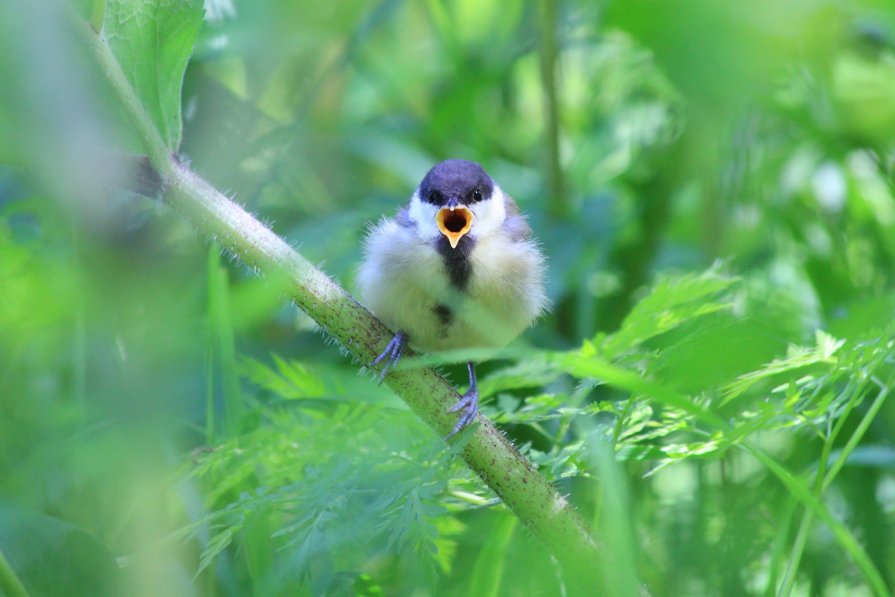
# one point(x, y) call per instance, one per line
point(457, 268)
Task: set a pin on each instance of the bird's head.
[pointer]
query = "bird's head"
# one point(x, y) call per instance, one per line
point(457, 199)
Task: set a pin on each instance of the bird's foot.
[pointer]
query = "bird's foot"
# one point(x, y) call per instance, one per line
point(467, 406)
point(391, 355)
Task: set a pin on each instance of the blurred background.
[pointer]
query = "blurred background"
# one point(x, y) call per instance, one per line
point(171, 425)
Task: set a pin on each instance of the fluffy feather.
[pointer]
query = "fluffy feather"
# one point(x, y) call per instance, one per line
point(404, 280)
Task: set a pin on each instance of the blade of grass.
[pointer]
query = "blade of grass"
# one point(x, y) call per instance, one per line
point(839, 530)
point(210, 418)
point(615, 518)
point(801, 538)
point(547, 54)
point(596, 368)
point(798, 546)
point(778, 550)
point(858, 434)
point(223, 342)
point(488, 570)
point(10, 584)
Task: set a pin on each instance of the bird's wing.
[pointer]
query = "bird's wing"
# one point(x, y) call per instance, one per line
point(511, 207)
point(403, 217)
point(515, 225)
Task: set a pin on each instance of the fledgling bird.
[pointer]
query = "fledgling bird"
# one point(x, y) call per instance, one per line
point(457, 268)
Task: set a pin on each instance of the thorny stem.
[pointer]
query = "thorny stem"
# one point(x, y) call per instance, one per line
point(515, 480)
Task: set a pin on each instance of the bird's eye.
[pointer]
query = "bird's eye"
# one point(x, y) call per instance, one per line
point(476, 195)
point(434, 197)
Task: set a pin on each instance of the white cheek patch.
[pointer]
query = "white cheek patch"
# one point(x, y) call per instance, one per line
point(489, 214)
point(423, 215)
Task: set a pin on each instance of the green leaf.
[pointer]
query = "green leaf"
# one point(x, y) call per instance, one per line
point(715, 350)
point(291, 380)
point(97, 14)
point(588, 365)
point(91, 11)
point(671, 303)
point(797, 360)
point(153, 40)
point(218, 542)
point(528, 373)
point(53, 557)
point(864, 91)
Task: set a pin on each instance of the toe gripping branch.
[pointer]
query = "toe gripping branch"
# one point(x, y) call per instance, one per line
point(392, 354)
point(467, 406)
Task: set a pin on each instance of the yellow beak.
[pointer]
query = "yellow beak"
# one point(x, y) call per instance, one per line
point(454, 223)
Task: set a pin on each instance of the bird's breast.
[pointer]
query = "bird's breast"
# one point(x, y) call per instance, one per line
point(480, 294)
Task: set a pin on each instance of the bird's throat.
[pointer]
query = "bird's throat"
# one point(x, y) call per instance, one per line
point(457, 263)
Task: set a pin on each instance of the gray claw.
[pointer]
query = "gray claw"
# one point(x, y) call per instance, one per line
point(392, 353)
point(469, 406)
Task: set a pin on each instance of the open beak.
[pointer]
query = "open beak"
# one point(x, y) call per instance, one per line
point(454, 222)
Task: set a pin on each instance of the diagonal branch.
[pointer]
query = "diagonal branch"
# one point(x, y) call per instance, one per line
point(527, 493)
point(488, 452)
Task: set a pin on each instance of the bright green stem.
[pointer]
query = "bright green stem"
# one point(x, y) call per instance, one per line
point(824, 478)
point(10, 585)
point(528, 494)
point(857, 436)
point(839, 530)
point(801, 539)
point(798, 546)
point(548, 54)
point(223, 365)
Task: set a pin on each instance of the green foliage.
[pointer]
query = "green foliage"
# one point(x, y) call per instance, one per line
point(53, 557)
point(711, 389)
point(153, 42)
point(328, 514)
point(669, 305)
